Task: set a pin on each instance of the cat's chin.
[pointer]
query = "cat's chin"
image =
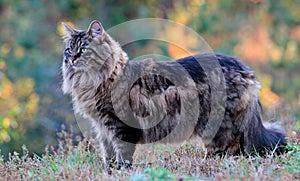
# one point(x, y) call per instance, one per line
point(78, 67)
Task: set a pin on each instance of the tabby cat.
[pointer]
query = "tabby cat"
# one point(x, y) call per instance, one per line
point(95, 67)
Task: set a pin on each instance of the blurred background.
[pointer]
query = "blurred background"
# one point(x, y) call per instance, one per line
point(263, 33)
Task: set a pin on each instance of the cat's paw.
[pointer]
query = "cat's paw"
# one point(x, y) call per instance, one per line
point(126, 164)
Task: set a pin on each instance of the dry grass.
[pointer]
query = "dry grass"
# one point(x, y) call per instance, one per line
point(187, 162)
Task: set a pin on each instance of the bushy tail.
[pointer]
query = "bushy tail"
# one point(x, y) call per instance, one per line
point(273, 139)
point(261, 139)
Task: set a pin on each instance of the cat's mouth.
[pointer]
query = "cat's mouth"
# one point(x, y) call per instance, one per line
point(75, 63)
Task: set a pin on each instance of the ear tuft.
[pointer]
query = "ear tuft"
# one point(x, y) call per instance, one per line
point(95, 29)
point(68, 30)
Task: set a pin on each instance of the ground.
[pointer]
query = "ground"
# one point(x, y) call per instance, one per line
point(187, 162)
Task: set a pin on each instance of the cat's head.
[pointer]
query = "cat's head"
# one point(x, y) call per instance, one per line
point(90, 56)
point(85, 49)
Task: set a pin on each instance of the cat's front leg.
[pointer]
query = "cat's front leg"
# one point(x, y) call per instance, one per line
point(124, 143)
point(124, 153)
point(107, 151)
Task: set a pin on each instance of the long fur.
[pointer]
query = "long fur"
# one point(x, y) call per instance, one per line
point(91, 82)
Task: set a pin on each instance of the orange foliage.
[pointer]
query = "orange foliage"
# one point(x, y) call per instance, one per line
point(19, 52)
point(5, 49)
point(18, 102)
point(177, 52)
point(257, 1)
point(7, 88)
point(268, 97)
point(295, 33)
point(255, 45)
point(182, 42)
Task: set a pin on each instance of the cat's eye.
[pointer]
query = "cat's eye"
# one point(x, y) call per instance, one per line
point(82, 50)
point(69, 51)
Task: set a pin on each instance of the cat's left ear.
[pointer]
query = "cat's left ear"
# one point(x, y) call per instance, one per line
point(68, 30)
point(95, 29)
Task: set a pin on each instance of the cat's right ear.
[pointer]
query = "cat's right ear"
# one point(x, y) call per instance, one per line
point(68, 30)
point(95, 29)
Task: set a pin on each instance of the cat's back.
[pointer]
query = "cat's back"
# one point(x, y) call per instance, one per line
point(198, 67)
point(232, 69)
point(194, 64)
point(240, 83)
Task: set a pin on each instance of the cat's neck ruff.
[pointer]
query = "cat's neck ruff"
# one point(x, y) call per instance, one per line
point(117, 60)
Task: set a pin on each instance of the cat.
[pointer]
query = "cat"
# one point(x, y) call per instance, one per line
point(94, 70)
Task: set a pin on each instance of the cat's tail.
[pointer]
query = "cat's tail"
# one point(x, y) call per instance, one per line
point(262, 138)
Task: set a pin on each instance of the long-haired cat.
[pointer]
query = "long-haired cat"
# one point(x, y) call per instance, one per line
point(94, 70)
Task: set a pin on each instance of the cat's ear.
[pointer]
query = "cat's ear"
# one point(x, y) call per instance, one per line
point(95, 29)
point(68, 30)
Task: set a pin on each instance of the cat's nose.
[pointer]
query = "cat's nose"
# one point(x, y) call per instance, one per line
point(72, 60)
